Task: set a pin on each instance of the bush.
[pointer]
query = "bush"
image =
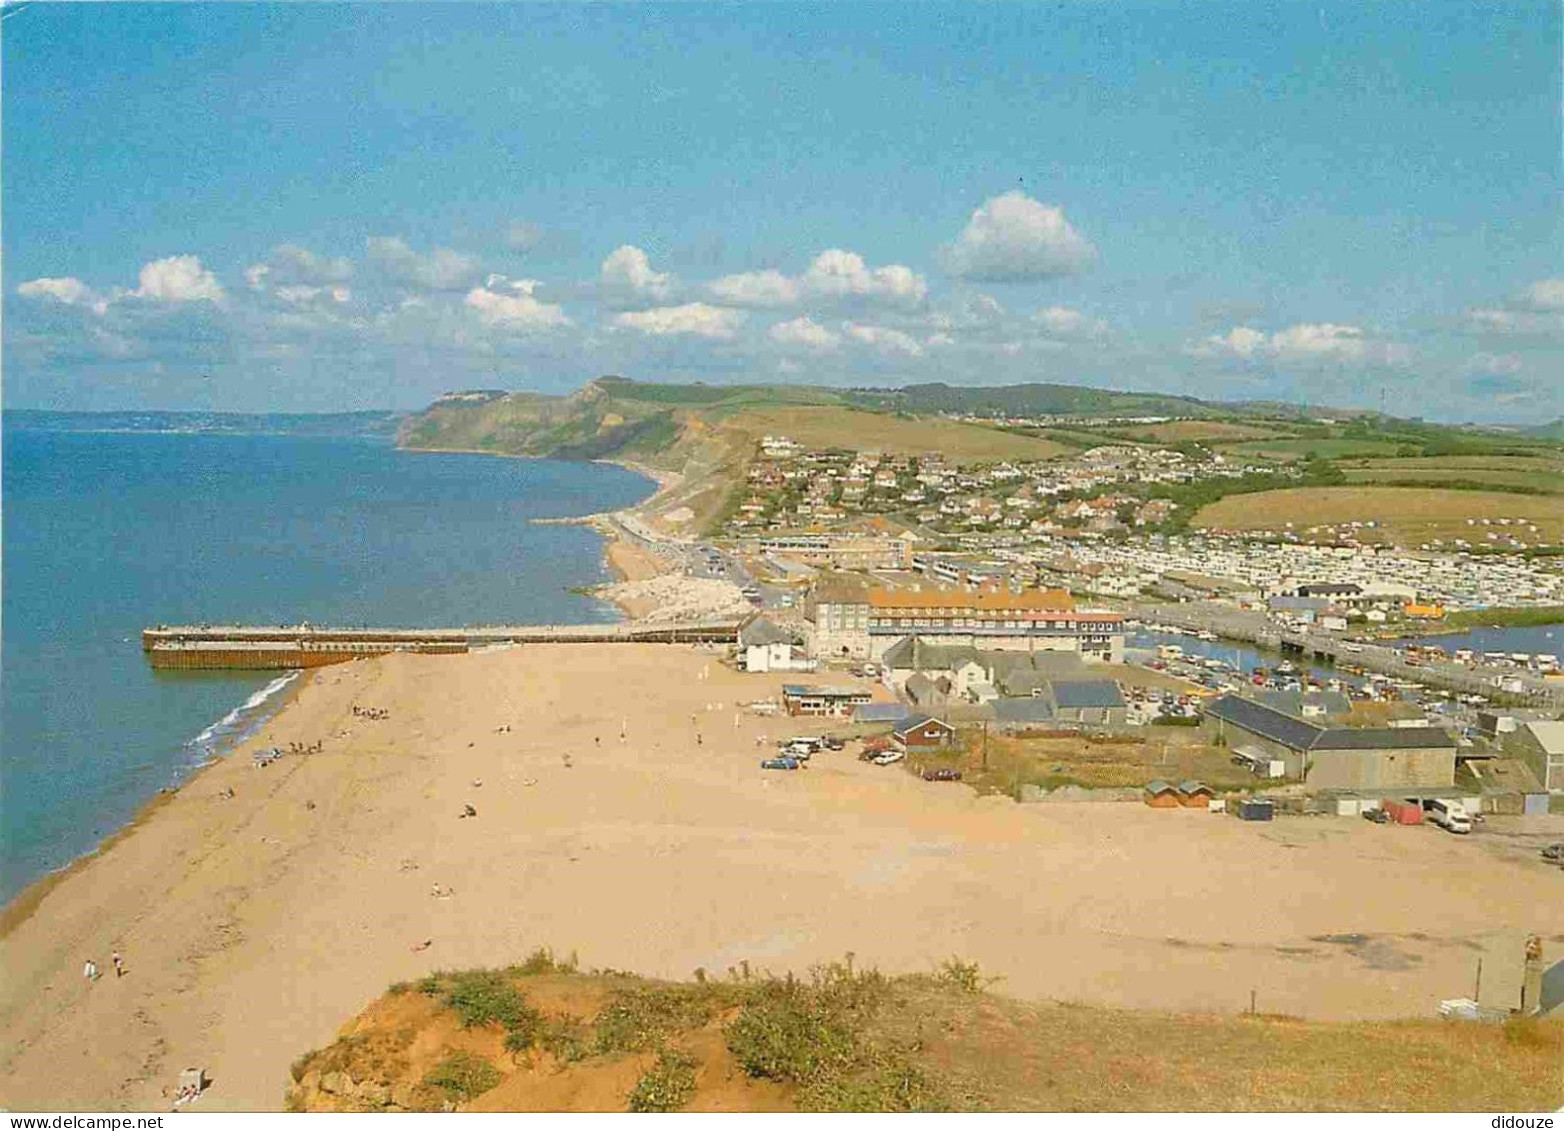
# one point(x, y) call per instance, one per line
point(639, 1018)
point(965, 976)
point(667, 1086)
point(542, 961)
point(463, 1076)
point(485, 997)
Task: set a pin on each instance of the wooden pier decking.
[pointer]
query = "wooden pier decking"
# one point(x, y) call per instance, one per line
point(281, 647)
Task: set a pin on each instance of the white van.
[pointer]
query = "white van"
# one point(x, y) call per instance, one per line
point(1450, 816)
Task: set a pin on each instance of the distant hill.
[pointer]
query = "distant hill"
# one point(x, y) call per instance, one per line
point(1032, 400)
point(376, 423)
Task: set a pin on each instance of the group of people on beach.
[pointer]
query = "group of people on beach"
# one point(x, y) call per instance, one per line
point(89, 969)
point(376, 713)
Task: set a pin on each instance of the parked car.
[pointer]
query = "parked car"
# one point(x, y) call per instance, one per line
point(1378, 816)
point(888, 757)
point(779, 764)
point(944, 773)
point(833, 743)
point(1554, 852)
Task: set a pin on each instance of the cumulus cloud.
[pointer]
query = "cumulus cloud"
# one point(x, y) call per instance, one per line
point(178, 278)
point(757, 288)
point(1065, 322)
point(301, 294)
point(67, 289)
point(696, 319)
point(844, 273)
point(518, 309)
point(290, 265)
point(628, 271)
point(883, 338)
point(1303, 342)
point(804, 332)
point(1013, 238)
point(440, 270)
point(833, 275)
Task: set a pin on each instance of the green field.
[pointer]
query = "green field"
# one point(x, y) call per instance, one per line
point(1405, 515)
point(1312, 448)
point(1524, 472)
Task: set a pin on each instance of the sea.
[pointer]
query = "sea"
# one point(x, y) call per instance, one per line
point(108, 532)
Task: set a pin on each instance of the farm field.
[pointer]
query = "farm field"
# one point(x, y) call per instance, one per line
point(1221, 431)
point(1541, 473)
point(817, 426)
point(1405, 515)
point(1303, 447)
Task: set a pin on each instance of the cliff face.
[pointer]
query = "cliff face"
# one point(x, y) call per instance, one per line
point(588, 424)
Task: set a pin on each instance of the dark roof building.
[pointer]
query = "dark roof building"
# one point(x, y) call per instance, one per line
point(1340, 757)
point(1085, 693)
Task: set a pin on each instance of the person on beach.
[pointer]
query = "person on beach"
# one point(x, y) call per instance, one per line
point(89, 970)
point(119, 964)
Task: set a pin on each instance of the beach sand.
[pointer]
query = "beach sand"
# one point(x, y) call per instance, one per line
point(254, 927)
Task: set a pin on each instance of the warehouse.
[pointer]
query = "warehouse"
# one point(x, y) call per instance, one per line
point(1337, 757)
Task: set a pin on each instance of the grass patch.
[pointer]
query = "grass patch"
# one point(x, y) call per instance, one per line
point(667, 1086)
point(463, 1076)
point(642, 1017)
point(487, 997)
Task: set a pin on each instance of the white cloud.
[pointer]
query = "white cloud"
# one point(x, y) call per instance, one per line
point(883, 338)
point(1545, 294)
point(628, 270)
point(939, 339)
point(518, 310)
point(1494, 364)
point(804, 332)
point(68, 290)
point(1013, 238)
point(178, 278)
point(694, 318)
point(841, 273)
point(1065, 322)
point(440, 270)
point(301, 294)
point(1304, 342)
point(291, 263)
point(834, 274)
point(757, 288)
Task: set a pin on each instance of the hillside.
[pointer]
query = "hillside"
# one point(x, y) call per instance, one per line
point(543, 1036)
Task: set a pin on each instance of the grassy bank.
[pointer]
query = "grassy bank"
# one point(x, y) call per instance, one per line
point(1530, 617)
point(544, 1035)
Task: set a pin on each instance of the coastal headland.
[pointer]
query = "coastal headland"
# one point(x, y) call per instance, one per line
point(619, 811)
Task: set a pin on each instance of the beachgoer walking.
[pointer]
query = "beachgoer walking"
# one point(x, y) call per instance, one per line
point(119, 964)
point(89, 970)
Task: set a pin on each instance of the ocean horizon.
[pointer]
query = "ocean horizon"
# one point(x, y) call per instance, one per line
point(108, 532)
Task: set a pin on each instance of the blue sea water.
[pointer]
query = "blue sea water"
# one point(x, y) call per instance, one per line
point(105, 534)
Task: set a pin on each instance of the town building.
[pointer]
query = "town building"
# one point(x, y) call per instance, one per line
point(1541, 746)
point(764, 647)
point(1334, 757)
point(924, 733)
point(843, 551)
point(868, 623)
point(804, 699)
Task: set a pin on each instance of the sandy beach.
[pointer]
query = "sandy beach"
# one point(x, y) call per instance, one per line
point(253, 926)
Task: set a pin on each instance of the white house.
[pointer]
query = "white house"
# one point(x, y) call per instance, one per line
point(766, 648)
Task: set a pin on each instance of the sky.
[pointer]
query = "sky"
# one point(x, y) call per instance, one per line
point(319, 207)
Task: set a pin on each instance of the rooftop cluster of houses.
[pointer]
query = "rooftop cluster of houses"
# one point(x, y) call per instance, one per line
point(1485, 533)
point(1103, 489)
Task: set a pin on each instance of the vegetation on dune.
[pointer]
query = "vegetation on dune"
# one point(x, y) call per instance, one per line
point(843, 1038)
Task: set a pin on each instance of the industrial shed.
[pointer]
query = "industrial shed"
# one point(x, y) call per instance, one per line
point(1337, 757)
point(1087, 701)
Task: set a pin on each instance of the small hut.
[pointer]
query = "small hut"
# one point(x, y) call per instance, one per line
point(1161, 795)
point(1195, 795)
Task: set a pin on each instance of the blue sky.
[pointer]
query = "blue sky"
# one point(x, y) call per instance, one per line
point(306, 206)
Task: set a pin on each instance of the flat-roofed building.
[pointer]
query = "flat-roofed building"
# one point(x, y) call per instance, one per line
point(870, 622)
